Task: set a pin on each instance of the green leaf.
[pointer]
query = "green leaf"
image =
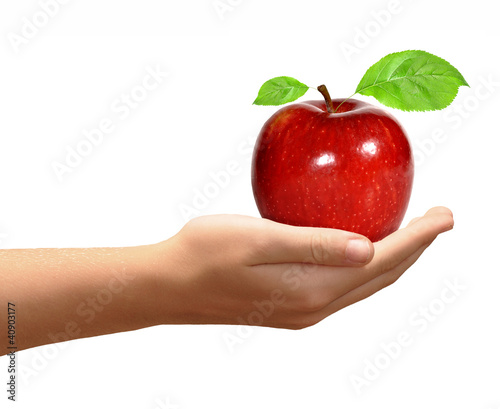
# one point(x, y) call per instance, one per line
point(412, 81)
point(279, 91)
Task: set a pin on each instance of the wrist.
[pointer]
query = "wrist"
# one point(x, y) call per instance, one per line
point(140, 275)
point(173, 283)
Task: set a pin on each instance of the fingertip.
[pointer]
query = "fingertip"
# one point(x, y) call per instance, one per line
point(445, 216)
point(449, 223)
point(439, 210)
point(359, 250)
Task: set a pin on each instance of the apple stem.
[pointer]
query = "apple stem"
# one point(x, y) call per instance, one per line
point(328, 99)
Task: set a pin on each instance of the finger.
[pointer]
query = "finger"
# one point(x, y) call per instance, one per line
point(439, 209)
point(281, 243)
point(332, 283)
point(434, 210)
point(401, 244)
point(416, 219)
point(371, 287)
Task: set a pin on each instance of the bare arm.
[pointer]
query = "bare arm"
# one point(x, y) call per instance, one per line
point(63, 294)
point(223, 269)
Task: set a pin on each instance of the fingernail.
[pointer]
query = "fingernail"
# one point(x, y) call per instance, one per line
point(357, 251)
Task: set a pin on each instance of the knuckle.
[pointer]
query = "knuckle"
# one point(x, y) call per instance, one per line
point(389, 279)
point(310, 302)
point(320, 247)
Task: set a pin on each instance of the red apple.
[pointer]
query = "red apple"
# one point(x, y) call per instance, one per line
point(349, 170)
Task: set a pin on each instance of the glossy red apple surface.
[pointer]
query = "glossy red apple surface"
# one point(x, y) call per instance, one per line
point(350, 170)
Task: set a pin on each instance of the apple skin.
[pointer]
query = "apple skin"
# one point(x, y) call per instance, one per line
point(350, 170)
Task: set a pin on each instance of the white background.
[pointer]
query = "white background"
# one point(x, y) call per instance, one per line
point(129, 190)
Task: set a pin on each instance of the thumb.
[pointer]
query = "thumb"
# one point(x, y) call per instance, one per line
point(292, 244)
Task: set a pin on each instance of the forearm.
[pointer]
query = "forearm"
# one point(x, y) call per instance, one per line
point(63, 294)
point(221, 269)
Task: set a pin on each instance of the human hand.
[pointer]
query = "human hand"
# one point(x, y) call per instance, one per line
point(219, 268)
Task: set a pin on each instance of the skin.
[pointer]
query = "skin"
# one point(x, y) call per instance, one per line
point(213, 271)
